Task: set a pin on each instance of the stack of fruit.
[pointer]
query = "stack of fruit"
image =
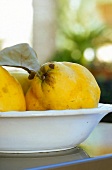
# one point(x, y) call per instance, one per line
point(52, 86)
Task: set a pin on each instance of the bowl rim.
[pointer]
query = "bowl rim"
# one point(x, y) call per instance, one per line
point(101, 109)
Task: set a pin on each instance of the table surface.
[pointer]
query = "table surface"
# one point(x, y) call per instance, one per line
point(100, 140)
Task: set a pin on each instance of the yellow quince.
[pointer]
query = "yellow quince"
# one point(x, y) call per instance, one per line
point(22, 77)
point(11, 93)
point(62, 85)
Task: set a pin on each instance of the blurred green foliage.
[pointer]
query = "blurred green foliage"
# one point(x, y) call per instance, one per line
point(79, 28)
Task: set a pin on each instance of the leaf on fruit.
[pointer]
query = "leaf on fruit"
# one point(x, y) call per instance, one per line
point(21, 56)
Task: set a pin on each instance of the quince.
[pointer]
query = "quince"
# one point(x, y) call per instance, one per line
point(62, 85)
point(22, 77)
point(11, 93)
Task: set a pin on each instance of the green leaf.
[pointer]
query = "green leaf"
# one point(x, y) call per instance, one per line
point(21, 56)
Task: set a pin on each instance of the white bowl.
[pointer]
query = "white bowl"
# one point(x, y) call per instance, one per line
point(44, 131)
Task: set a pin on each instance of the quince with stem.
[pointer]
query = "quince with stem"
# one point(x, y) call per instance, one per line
point(62, 85)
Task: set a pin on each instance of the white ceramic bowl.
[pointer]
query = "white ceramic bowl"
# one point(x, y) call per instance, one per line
point(44, 131)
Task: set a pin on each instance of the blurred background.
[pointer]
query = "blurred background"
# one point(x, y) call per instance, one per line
point(64, 30)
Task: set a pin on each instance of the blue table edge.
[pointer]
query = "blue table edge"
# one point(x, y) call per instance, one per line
point(70, 162)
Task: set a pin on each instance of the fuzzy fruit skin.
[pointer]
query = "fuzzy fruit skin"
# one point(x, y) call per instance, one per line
point(11, 93)
point(22, 77)
point(63, 85)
